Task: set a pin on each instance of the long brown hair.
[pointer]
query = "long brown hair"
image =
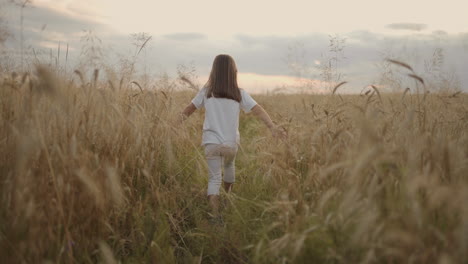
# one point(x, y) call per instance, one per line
point(222, 82)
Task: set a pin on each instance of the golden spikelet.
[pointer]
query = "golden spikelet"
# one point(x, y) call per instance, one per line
point(399, 63)
point(80, 75)
point(419, 79)
point(377, 91)
point(189, 82)
point(406, 91)
point(338, 86)
point(138, 85)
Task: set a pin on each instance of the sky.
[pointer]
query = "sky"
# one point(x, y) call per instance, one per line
point(276, 44)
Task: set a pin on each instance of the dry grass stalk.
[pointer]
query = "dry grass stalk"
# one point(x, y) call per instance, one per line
point(116, 169)
point(455, 94)
point(377, 91)
point(95, 77)
point(399, 63)
point(80, 75)
point(138, 85)
point(144, 45)
point(405, 92)
point(419, 79)
point(337, 86)
point(189, 82)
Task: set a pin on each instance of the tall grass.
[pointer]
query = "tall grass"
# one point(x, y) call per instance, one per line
point(90, 172)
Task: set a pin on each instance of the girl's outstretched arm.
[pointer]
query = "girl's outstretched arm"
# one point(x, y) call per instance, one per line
point(187, 112)
point(258, 111)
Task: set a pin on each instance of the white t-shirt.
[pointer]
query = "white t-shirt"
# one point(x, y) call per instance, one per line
point(221, 124)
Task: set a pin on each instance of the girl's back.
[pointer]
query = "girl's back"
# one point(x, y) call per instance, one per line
point(221, 124)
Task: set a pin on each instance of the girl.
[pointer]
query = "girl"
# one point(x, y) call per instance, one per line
point(223, 99)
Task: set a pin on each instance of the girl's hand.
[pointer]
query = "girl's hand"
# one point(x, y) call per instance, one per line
point(185, 114)
point(279, 132)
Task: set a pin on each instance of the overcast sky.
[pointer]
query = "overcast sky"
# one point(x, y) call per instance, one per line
point(264, 37)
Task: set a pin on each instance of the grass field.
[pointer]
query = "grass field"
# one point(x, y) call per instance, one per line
point(93, 172)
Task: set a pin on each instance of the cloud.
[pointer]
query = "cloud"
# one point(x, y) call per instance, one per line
point(47, 25)
point(363, 36)
point(259, 83)
point(407, 26)
point(440, 33)
point(263, 55)
point(59, 21)
point(185, 36)
point(464, 40)
point(80, 10)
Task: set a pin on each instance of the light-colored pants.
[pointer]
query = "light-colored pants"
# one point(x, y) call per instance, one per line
point(216, 155)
